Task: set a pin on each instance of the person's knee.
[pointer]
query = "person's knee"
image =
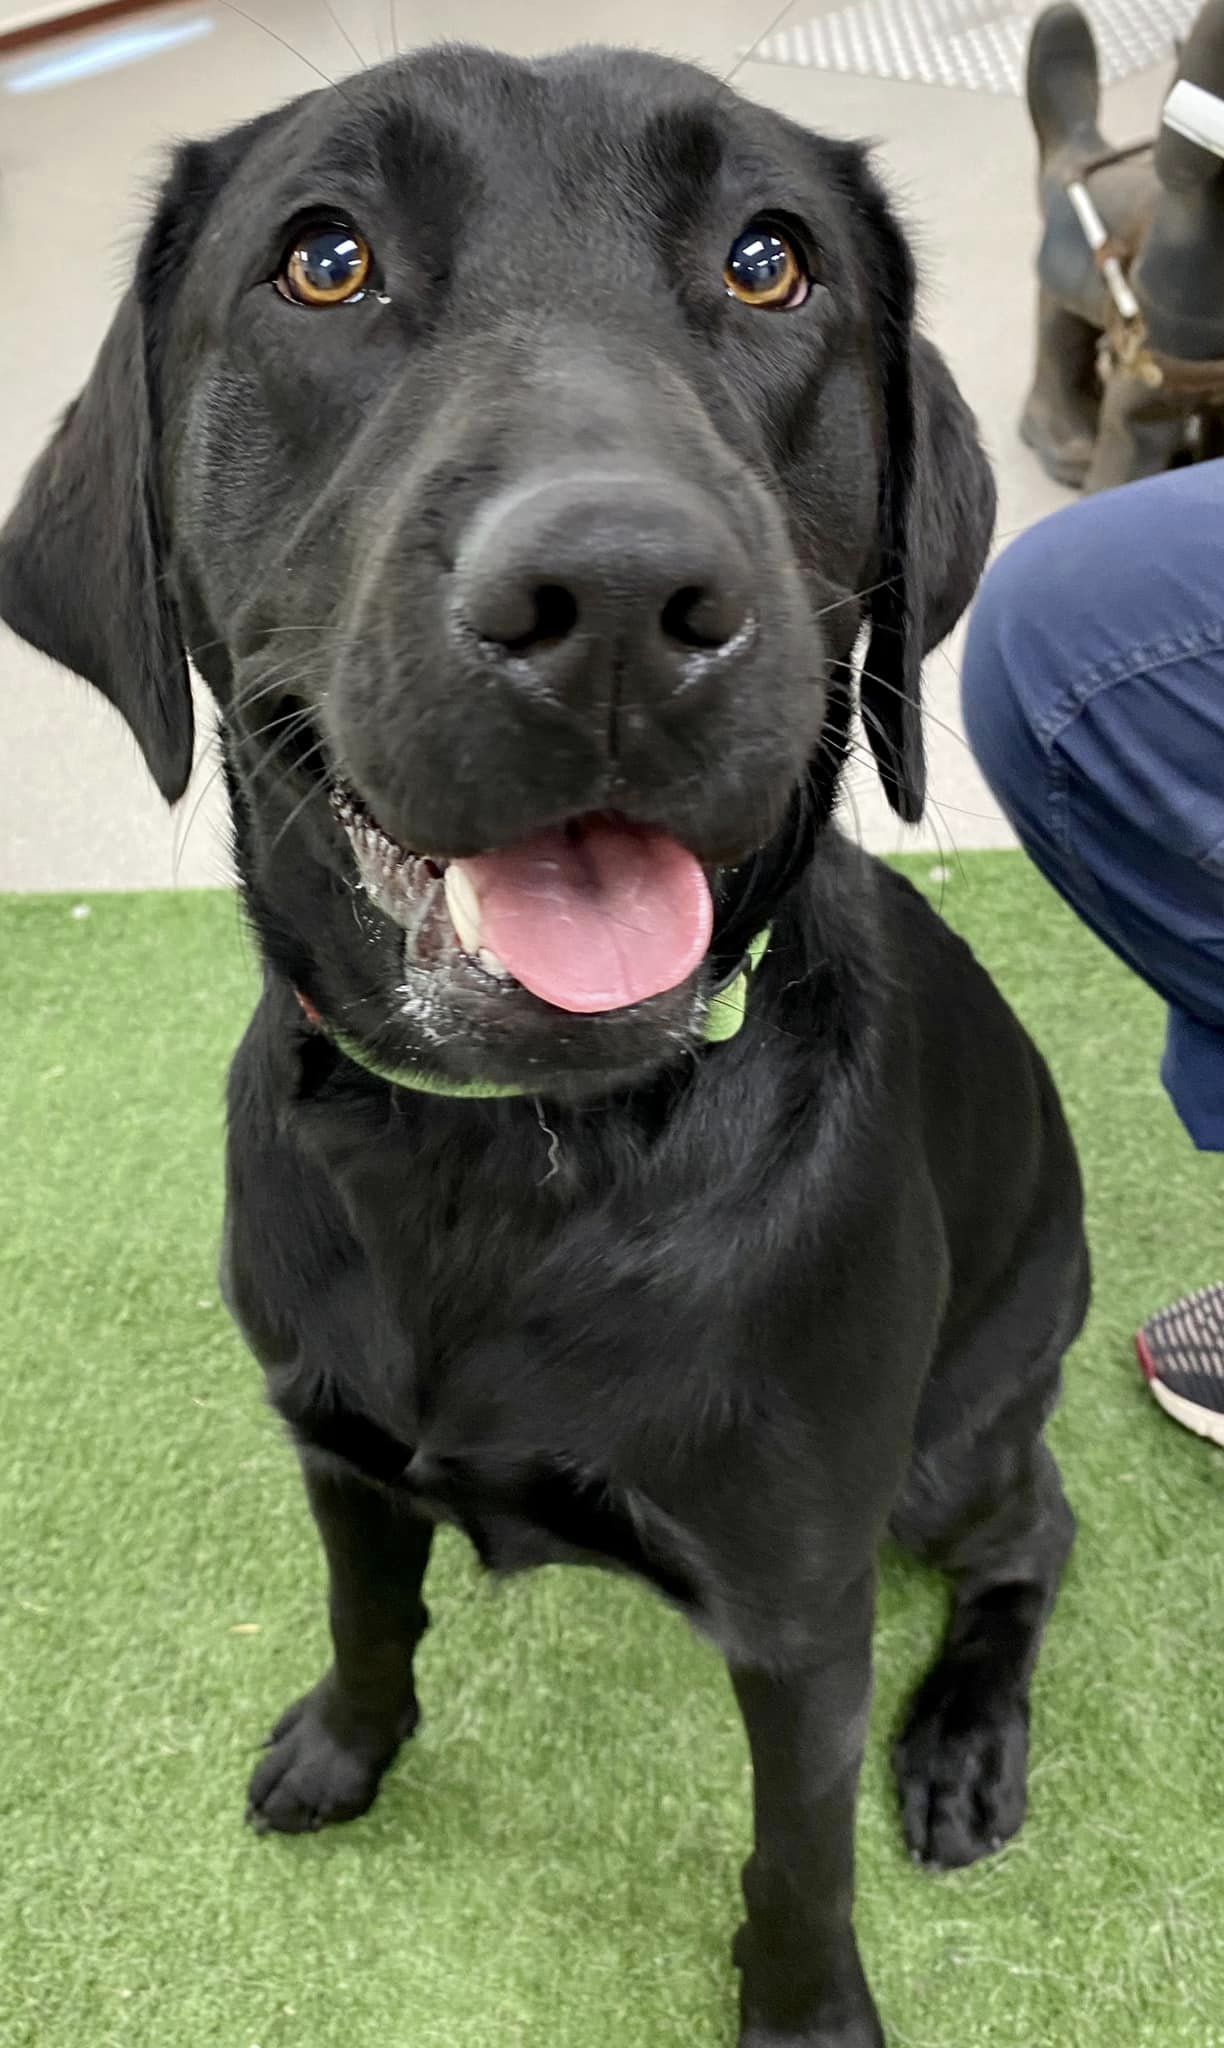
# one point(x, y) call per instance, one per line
point(1093, 592)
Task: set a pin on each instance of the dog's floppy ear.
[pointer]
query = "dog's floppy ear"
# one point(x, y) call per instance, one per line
point(936, 506)
point(81, 557)
point(83, 554)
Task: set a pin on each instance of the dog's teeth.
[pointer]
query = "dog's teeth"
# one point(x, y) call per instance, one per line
point(464, 906)
point(492, 965)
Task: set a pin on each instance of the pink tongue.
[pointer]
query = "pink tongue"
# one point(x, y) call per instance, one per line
point(596, 915)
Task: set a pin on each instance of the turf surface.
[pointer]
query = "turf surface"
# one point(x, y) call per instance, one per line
point(555, 1859)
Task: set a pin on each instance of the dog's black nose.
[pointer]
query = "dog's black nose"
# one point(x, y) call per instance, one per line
point(564, 572)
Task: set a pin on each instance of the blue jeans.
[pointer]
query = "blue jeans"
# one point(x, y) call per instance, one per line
point(1093, 689)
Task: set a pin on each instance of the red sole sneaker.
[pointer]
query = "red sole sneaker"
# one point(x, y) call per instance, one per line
point(1181, 1351)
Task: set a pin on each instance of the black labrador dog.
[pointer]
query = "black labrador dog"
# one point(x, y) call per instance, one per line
point(622, 1165)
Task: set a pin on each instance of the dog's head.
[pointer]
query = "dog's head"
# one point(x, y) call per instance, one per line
point(517, 450)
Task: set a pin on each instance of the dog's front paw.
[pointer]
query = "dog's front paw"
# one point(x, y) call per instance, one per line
point(962, 1770)
point(839, 2013)
point(862, 2032)
point(316, 1770)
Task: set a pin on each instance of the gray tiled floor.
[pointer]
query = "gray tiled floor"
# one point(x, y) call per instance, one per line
point(76, 163)
point(978, 44)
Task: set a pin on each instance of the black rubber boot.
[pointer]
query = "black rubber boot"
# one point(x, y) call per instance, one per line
point(1179, 276)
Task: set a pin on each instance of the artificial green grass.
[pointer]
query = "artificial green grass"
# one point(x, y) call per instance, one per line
point(555, 1859)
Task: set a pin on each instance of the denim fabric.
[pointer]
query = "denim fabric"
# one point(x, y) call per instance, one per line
point(1093, 690)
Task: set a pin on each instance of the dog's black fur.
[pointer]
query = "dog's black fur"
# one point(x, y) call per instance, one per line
point(721, 1315)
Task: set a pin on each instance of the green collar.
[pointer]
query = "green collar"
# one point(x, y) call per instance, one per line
point(724, 1019)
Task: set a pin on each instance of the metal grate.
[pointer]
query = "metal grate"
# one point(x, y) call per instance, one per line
point(978, 45)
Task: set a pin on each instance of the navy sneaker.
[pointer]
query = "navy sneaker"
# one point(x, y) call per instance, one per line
point(1181, 1351)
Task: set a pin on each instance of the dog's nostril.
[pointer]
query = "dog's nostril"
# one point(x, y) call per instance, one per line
point(699, 618)
point(534, 616)
point(556, 612)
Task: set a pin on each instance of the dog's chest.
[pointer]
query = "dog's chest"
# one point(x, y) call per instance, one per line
point(510, 1468)
point(502, 1388)
point(565, 1381)
point(538, 1510)
point(539, 1460)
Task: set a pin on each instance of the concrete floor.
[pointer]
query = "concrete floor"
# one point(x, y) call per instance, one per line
point(79, 159)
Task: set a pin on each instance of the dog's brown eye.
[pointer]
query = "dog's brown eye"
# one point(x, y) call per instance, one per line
point(327, 264)
point(763, 269)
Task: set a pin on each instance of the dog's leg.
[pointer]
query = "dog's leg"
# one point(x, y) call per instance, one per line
point(327, 1754)
point(802, 1981)
point(962, 1757)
